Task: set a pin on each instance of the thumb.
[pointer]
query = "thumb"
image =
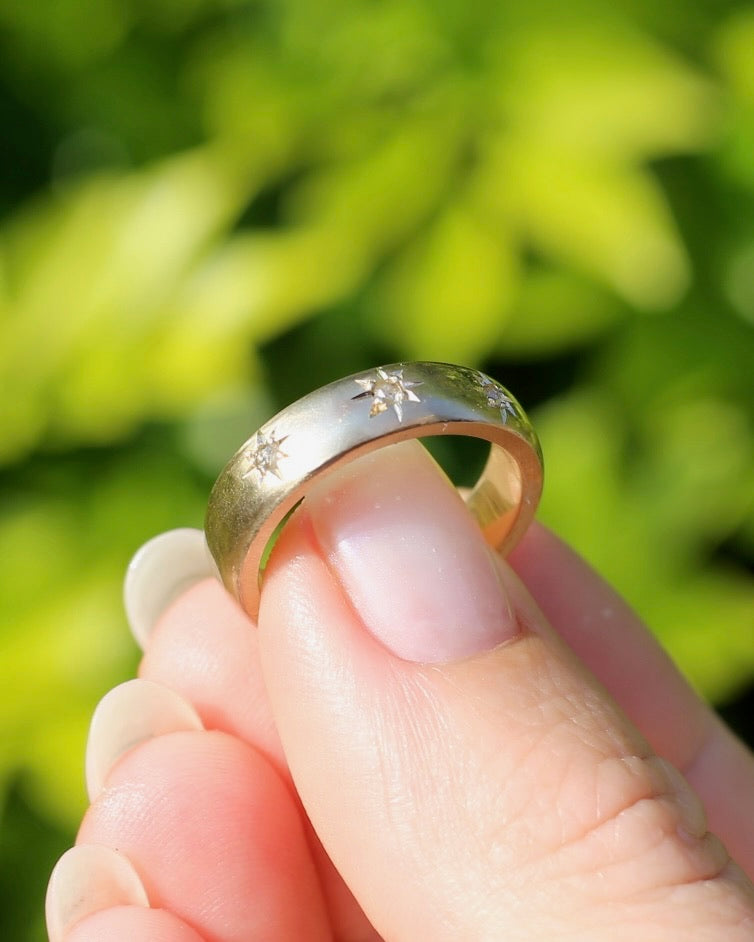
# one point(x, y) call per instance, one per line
point(467, 776)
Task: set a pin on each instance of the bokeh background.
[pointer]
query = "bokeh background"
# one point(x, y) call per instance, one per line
point(208, 207)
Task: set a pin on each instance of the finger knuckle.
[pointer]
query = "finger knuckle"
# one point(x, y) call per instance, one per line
point(648, 831)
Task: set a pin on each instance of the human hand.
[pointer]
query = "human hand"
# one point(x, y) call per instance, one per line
point(408, 747)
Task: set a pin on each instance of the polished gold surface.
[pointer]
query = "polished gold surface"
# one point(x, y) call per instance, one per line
point(272, 471)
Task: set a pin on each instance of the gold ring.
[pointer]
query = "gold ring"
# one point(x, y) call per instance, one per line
point(272, 471)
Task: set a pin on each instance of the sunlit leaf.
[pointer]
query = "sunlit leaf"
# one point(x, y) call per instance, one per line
point(449, 296)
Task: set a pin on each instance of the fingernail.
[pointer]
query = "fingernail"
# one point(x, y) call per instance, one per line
point(410, 557)
point(129, 714)
point(161, 571)
point(86, 879)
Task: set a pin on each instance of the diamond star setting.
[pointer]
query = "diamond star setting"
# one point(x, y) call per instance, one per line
point(263, 456)
point(497, 399)
point(388, 389)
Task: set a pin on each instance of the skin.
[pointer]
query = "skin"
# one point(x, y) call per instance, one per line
point(529, 790)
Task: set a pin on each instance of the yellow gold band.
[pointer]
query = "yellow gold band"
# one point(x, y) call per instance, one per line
point(272, 471)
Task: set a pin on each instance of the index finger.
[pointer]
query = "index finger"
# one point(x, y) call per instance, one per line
point(626, 657)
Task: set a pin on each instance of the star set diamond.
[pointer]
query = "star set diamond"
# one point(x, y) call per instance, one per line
point(497, 399)
point(265, 454)
point(387, 389)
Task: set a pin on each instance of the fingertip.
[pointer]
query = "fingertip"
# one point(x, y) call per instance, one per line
point(86, 879)
point(159, 572)
point(128, 714)
point(205, 648)
point(216, 834)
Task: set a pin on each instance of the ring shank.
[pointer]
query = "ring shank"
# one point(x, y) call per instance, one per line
point(505, 498)
point(328, 429)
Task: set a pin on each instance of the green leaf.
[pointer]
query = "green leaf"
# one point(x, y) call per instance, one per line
point(448, 295)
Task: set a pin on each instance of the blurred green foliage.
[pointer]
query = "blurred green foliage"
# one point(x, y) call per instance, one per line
point(211, 206)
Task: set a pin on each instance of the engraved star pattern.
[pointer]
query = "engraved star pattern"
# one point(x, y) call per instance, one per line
point(388, 389)
point(265, 454)
point(497, 399)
